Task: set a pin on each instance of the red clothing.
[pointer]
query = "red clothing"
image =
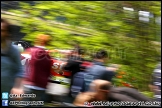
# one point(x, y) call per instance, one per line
point(38, 68)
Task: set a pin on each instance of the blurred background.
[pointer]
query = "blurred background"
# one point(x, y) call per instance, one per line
point(129, 30)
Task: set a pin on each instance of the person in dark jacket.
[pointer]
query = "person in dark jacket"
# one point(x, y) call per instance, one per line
point(74, 63)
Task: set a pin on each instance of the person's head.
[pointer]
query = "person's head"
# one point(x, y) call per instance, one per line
point(75, 43)
point(5, 30)
point(78, 52)
point(101, 89)
point(42, 40)
point(101, 55)
point(83, 97)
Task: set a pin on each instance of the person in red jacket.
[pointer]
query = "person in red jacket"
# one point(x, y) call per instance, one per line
point(38, 68)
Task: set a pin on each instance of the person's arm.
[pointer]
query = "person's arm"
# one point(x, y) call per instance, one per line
point(151, 85)
point(153, 88)
point(68, 66)
point(61, 71)
point(113, 67)
point(19, 71)
point(19, 74)
point(108, 75)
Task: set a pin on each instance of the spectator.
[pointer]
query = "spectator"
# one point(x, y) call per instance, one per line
point(98, 70)
point(38, 68)
point(101, 90)
point(74, 64)
point(155, 85)
point(11, 67)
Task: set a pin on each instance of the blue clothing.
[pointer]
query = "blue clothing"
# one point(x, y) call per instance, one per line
point(11, 67)
point(97, 71)
point(100, 71)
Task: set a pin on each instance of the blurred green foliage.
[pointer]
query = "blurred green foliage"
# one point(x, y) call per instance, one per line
point(128, 40)
point(148, 94)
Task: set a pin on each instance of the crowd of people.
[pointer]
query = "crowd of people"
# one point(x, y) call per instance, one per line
point(33, 77)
